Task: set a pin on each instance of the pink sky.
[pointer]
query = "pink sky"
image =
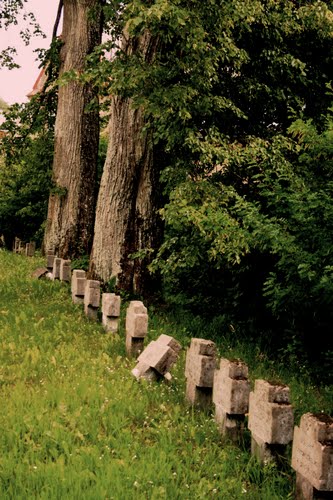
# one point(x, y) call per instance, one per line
point(16, 83)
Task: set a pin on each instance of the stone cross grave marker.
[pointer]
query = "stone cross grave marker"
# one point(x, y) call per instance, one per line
point(39, 273)
point(65, 270)
point(199, 372)
point(16, 244)
point(136, 327)
point(50, 260)
point(30, 249)
point(56, 268)
point(231, 390)
point(92, 297)
point(110, 311)
point(78, 286)
point(157, 359)
point(271, 420)
point(312, 457)
point(21, 248)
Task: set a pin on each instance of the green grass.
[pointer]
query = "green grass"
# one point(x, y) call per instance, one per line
point(76, 424)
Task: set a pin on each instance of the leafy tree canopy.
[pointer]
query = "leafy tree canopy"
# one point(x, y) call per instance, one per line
point(237, 98)
point(26, 151)
point(11, 13)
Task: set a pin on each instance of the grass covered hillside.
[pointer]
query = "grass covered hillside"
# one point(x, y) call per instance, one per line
point(76, 424)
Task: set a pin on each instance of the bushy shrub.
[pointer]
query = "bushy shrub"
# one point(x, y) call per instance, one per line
point(255, 238)
point(25, 179)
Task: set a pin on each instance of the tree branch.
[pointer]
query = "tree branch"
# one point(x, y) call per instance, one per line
point(57, 21)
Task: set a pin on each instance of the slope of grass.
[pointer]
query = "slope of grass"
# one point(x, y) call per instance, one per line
point(75, 424)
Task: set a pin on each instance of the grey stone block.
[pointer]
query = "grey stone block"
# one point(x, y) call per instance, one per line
point(111, 304)
point(158, 356)
point(134, 346)
point(39, 273)
point(50, 262)
point(198, 396)
point(312, 453)
point(56, 268)
point(271, 421)
point(65, 270)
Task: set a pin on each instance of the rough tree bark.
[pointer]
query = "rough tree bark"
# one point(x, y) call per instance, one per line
point(126, 220)
point(70, 219)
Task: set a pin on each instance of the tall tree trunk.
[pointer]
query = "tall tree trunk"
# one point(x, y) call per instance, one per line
point(126, 220)
point(70, 219)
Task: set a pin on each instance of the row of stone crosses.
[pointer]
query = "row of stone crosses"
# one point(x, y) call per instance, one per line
point(224, 383)
point(27, 249)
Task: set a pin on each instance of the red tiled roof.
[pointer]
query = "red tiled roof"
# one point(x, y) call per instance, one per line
point(39, 83)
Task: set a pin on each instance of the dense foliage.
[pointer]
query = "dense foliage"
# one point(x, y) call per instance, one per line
point(26, 151)
point(237, 99)
point(26, 156)
point(259, 249)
